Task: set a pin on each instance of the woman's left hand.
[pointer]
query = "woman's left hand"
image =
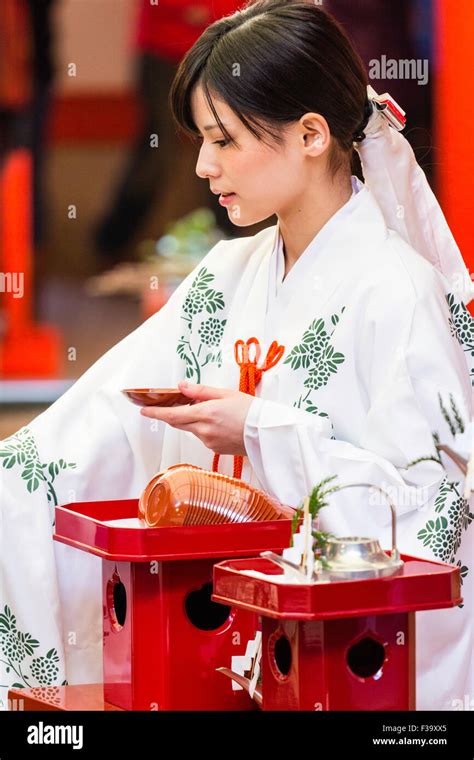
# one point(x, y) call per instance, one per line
point(217, 416)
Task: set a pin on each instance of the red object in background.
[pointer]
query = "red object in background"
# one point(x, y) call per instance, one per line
point(116, 118)
point(26, 350)
point(163, 637)
point(166, 30)
point(453, 115)
point(171, 27)
point(345, 645)
point(15, 47)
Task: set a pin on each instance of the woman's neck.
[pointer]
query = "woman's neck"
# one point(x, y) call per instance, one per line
point(307, 218)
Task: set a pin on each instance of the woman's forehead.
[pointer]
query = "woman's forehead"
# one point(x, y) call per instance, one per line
point(203, 116)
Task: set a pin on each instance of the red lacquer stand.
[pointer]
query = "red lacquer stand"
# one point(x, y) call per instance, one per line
point(163, 635)
point(341, 645)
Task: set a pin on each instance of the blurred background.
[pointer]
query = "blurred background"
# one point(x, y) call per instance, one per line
point(99, 222)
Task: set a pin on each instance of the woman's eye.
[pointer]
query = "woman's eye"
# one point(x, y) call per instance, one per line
point(222, 143)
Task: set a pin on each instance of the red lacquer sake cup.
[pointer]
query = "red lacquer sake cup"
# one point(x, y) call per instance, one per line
point(156, 396)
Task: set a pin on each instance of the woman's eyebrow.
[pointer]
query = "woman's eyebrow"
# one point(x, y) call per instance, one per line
point(213, 126)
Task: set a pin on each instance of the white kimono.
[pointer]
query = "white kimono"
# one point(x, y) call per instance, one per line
point(374, 366)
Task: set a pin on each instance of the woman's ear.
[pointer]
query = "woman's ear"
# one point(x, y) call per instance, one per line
point(315, 143)
point(315, 131)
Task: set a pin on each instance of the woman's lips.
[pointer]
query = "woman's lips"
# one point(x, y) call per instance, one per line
point(224, 200)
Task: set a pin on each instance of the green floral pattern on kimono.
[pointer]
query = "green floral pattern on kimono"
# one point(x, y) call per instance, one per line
point(443, 533)
point(316, 354)
point(201, 298)
point(462, 327)
point(19, 450)
point(16, 654)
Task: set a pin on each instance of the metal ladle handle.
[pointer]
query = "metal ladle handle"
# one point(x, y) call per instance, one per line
point(394, 553)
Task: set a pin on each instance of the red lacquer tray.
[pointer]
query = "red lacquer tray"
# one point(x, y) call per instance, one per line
point(419, 585)
point(111, 529)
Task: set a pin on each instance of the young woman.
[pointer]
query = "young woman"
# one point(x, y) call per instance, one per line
point(364, 342)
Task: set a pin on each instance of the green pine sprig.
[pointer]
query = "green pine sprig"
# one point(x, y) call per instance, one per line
point(317, 502)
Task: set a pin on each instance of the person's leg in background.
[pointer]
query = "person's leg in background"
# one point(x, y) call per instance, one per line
point(147, 169)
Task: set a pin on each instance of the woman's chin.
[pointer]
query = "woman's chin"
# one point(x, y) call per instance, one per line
point(241, 219)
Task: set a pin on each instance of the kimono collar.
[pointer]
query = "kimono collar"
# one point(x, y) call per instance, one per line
point(356, 227)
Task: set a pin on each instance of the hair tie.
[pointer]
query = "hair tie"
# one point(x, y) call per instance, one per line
point(359, 134)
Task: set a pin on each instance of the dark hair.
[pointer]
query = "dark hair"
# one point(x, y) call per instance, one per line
point(294, 58)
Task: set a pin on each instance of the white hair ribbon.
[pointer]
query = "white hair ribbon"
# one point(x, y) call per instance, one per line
point(401, 189)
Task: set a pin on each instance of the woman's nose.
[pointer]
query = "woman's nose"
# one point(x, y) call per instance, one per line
point(205, 166)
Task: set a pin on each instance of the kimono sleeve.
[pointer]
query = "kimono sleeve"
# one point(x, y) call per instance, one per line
point(414, 374)
point(91, 444)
